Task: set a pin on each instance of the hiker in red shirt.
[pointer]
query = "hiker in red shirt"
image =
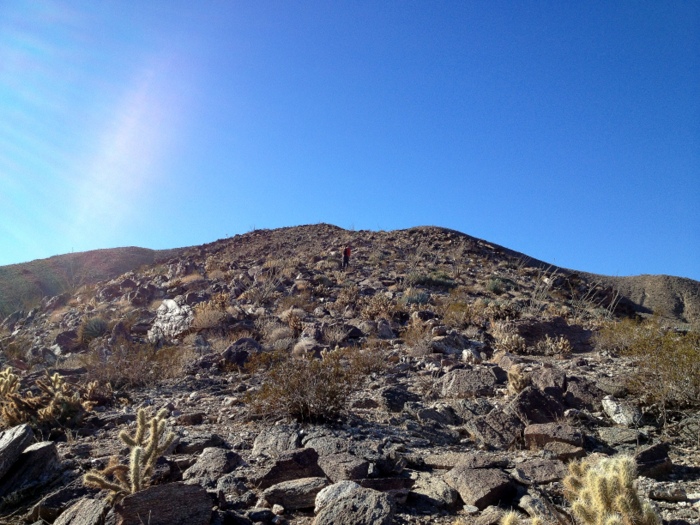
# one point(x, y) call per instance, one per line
point(346, 257)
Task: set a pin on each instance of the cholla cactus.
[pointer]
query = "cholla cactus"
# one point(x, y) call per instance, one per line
point(603, 493)
point(145, 451)
point(9, 383)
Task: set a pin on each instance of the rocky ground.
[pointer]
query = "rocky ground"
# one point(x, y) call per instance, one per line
point(439, 378)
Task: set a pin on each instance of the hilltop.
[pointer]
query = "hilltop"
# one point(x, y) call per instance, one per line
point(448, 377)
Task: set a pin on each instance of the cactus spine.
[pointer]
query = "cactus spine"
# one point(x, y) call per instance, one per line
point(121, 480)
point(604, 493)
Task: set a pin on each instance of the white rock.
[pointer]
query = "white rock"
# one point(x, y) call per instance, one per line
point(333, 492)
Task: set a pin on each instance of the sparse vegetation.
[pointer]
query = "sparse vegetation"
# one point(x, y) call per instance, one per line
point(145, 449)
point(603, 492)
point(312, 389)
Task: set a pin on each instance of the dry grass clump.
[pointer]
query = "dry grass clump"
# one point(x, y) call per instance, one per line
point(131, 364)
point(207, 315)
point(308, 388)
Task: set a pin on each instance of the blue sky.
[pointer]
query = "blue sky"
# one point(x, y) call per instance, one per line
point(569, 131)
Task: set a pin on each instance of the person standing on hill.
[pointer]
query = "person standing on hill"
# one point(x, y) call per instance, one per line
point(346, 257)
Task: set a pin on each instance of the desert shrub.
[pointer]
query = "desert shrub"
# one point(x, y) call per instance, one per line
point(307, 388)
point(208, 314)
point(431, 280)
point(347, 296)
point(616, 337)
point(379, 306)
point(300, 301)
point(668, 365)
point(132, 364)
point(518, 378)
point(415, 296)
point(500, 285)
point(417, 338)
point(92, 328)
point(334, 335)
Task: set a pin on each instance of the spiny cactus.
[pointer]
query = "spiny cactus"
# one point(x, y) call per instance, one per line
point(58, 402)
point(145, 451)
point(9, 383)
point(603, 493)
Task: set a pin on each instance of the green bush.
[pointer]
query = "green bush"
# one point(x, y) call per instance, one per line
point(500, 285)
point(414, 296)
point(431, 280)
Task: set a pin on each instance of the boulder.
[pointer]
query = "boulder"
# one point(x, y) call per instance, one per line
point(393, 398)
point(538, 471)
point(85, 511)
point(480, 487)
point(343, 466)
point(276, 439)
point(294, 464)
point(539, 434)
point(171, 320)
point(169, 504)
point(468, 383)
point(621, 412)
point(433, 491)
point(533, 406)
point(36, 467)
point(653, 461)
point(496, 430)
point(295, 494)
point(359, 507)
point(12, 443)
point(333, 492)
point(210, 466)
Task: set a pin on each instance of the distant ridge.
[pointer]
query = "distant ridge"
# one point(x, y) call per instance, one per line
point(23, 285)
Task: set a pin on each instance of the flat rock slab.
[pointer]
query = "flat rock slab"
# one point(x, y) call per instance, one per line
point(12, 443)
point(538, 435)
point(83, 512)
point(294, 464)
point(359, 507)
point(212, 464)
point(169, 504)
point(468, 383)
point(344, 466)
point(539, 471)
point(480, 487)
point(533, 406)
point(37, 466)
point(295, 494)
point(496, 430)
point(433, 491)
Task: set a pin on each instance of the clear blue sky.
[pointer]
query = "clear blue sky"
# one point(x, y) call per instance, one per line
point(569, 131)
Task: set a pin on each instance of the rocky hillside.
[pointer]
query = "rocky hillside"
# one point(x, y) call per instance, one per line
point(438, 379)
point(673, 297)
point(22, 286)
